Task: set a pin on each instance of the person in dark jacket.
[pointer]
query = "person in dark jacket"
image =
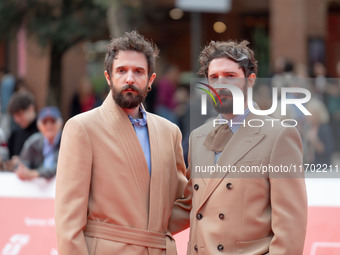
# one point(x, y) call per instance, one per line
point(22, 109)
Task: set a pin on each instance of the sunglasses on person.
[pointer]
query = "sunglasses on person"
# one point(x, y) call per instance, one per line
point(48, 120)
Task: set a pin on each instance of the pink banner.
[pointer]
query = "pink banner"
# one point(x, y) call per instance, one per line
point(27, 217)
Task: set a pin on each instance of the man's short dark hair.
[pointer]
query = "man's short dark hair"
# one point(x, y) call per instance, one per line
point(19, 101)
point(237, 52)
point(135, 42)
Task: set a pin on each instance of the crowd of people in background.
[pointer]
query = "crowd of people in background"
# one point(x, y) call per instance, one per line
point(320, 132)
point(29, 141)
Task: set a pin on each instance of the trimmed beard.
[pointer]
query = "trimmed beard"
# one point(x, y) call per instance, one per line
point(129, 100)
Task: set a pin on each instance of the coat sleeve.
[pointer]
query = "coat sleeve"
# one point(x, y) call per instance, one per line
point(72, 188)
point(180, 214)
point(288, 195)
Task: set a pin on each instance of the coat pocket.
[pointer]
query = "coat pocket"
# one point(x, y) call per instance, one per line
point(259, 246)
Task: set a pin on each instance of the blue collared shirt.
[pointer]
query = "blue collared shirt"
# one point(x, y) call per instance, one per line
point(140, 126)
point(234, 125)
point(49, 152)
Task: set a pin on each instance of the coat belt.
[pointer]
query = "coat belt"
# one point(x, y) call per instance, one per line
point(135, 236)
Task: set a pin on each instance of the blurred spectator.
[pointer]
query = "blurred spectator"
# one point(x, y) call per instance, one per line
point(166, 89)
point(20, 85)
point(263, 94)
point(302, 80)
point(4, 155)
point(283, 74)
point(320, 81)
point(182, 98)
point(39, 155)
point(7, 81)
point(292, 111)
point(22, 108)
point(300, 71)
point(317, 134)
point(333, 105)
point(279, 66)
point(84, 99)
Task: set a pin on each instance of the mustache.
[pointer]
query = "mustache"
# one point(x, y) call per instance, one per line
point(133, 87)
point(224, 92)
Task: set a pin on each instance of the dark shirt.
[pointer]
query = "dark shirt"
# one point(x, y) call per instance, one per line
point(18, 137)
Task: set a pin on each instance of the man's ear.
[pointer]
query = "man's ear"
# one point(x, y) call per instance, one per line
point(251, 80)
point(107, 77)
point(151, 79)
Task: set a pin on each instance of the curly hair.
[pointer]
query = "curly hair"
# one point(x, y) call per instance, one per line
point(135, 42)
point(237, 52)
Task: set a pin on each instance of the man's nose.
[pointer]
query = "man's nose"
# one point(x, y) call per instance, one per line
point(130, 78)
point(223, 80)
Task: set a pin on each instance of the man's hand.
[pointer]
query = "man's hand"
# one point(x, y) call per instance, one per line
point(24, 173)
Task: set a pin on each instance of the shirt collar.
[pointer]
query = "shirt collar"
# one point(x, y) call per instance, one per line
point(139, 122)
point(48, 146)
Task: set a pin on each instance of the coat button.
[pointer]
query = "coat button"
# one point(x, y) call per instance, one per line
point(196, 187)
point(220, 247)
point(229, 185)
point(196, 247)
point(221, 216)
point(199, 216)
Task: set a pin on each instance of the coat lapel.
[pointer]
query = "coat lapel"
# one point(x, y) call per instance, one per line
point(200, 155)
point(156, 151)
point(128, 140)
point(240, 144)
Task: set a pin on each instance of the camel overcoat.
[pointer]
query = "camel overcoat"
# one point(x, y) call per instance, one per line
point(236, 212)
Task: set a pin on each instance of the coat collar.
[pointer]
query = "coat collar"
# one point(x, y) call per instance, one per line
point(129, 143)
point(240, 144)
point(157, 176)
point(137, 163)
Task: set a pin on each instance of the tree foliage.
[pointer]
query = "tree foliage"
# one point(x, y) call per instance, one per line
point(58, 23)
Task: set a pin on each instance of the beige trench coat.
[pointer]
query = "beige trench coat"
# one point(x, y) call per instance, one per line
point(106, 202)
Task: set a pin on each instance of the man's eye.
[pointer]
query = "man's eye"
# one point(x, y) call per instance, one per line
point(213, 80)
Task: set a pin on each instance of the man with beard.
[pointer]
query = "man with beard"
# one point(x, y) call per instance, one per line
point(120, 168)
point(234, 211)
